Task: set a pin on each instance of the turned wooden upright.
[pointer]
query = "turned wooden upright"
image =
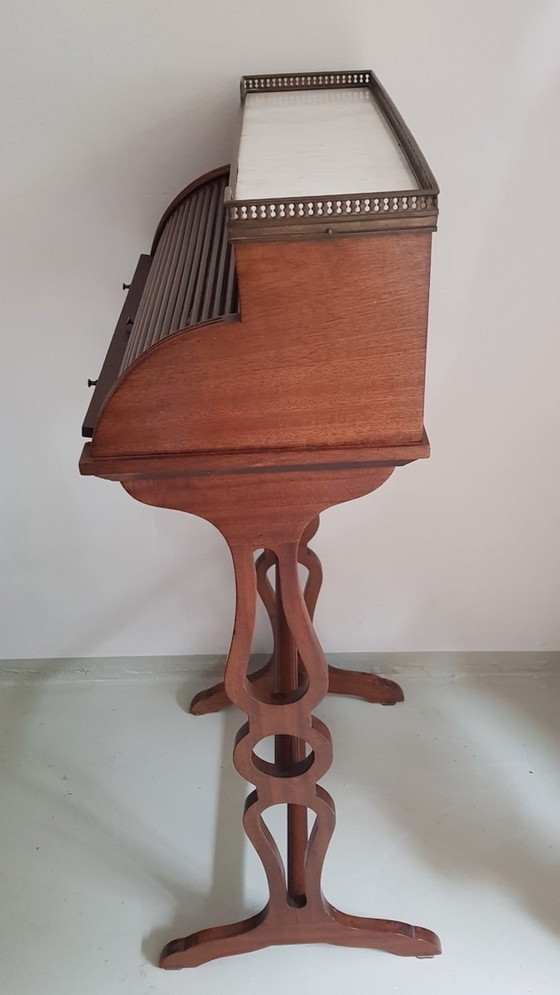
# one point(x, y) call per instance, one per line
point(269, 364)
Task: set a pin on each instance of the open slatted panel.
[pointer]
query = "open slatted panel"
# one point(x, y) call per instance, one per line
point(192, 277)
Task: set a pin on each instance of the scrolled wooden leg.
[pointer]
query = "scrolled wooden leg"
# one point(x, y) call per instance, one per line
point(214, 699)
point(356, 684)
point(370, 687)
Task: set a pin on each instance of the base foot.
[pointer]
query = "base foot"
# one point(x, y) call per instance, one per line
point(370, 687)
point(354, 683)
point(215, 699)
point(293, 926)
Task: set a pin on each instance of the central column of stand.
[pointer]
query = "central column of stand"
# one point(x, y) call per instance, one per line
point(288, 750)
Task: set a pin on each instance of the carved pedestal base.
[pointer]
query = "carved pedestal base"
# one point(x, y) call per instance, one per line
point(277, 512)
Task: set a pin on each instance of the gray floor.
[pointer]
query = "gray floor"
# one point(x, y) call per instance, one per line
point(121, 829)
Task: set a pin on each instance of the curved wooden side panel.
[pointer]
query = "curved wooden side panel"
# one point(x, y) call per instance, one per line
point(330, 352)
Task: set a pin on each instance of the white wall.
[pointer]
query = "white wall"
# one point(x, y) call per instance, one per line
point(111, 107)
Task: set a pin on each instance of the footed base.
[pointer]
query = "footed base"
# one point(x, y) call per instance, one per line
point(354, 683)
point(294, 926)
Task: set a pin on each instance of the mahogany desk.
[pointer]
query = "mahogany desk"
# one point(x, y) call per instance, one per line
point(269, 364)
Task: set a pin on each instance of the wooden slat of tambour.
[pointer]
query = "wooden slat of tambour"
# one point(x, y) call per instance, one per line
point(132, 348)
point(160, 259)
point(190, 242)
point(202, 261)
point(217, 289)
point(202, 275)
point(154, 325)
point(180, 274)
point(211, 274)
point(115, 468)
point(165, 246)
point(186, 309)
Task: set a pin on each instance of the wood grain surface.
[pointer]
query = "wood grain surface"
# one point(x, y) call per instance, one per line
point(258, 425)
point(330, 351)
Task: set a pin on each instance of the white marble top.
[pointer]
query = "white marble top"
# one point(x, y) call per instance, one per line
point(317, 142)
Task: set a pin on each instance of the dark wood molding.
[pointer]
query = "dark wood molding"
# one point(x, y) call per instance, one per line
point(111, 365)
point(236, 461)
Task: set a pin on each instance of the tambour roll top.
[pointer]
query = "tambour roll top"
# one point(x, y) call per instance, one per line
point(310, 346)
point(192, 277)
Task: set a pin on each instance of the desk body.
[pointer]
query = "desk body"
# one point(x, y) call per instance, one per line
point(269, 363)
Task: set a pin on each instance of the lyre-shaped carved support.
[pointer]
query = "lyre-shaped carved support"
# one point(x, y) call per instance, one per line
point(356, 684)
point(254, 518)
point(305, 916)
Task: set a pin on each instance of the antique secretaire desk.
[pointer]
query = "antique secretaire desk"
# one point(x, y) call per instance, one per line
point(268, 364)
